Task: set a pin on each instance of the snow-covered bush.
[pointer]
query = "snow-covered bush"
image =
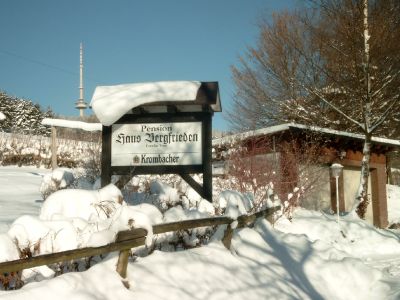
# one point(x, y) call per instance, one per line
point(33, 236)
point(269, 172)
point(71, 219)
point(19, 149)
point(166, 196)
point(183, 239)
point(85, 204)
point(171, 199)
point(90, 218)
point(228, 199)
point(164, 192)
point(9, 251)
point(60, 178)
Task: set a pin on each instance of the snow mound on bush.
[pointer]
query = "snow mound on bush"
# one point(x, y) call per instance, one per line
point(78, 203)
point(40, 237)
point(190, 237)
point(167, 195)
point(75, 218)
point(8, 249)
point(59, 179)
point(152, 212)
point(127, 217)
point(233, 204)
point(60, 234)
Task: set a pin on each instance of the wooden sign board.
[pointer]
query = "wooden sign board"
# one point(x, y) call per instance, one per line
point(156, 144)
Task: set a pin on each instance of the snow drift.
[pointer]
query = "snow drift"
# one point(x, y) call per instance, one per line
point(305, 258)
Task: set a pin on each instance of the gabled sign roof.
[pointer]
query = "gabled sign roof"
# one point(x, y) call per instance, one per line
point(110, 103)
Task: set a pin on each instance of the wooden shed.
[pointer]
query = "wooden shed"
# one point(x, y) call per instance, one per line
point(330, 146)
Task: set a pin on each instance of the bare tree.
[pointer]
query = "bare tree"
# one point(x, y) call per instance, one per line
point(335, 63)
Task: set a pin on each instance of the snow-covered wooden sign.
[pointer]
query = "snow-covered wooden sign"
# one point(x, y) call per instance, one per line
point(158, 128)
point(152, 144)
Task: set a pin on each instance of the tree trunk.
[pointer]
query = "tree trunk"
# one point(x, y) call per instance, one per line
point(362, 201)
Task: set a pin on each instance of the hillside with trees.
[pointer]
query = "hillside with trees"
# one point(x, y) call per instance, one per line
point(23, 116)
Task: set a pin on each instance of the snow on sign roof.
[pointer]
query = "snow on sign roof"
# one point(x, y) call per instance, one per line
point(283, 127)
point(110, 103)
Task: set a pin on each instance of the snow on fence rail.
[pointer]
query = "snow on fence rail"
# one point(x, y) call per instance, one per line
point(128, 239)
point(72, 124)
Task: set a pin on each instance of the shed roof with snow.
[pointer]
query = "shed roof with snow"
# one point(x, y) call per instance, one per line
point(293, 126)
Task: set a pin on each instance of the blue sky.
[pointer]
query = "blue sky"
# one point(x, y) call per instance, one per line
point(124, 42)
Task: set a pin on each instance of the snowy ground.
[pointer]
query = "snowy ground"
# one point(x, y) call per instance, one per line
point(19, 193)
point(308, 258)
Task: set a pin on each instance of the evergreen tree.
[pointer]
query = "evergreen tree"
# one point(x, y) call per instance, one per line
point(23, 116)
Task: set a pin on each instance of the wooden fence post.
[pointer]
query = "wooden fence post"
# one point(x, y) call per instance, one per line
point(227, 239)
point(53, 147)
point(248, 221)
point(122, 266)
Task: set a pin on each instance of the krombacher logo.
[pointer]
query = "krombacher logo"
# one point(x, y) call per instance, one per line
point(158, 159)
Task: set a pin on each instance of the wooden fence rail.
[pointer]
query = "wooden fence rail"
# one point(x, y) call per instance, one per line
point(128, 239)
